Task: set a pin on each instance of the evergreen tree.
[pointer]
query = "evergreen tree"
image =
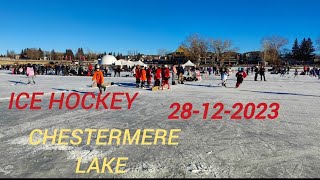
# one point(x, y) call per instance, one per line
point(296, 50)
point(40, 53)
point(69, 53)
point(22, 54)
point(306, 50)
point(80, 54)
point(53, 55)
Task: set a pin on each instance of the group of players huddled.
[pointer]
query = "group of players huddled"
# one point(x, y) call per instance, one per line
point(144, 75)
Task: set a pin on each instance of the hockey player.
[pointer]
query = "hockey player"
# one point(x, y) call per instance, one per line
point(99, 79)
point(157, 76)
point(138, 76)
point(143, 77)
point(165, 78)
point(149, 76)
point(241, 74)
point(224, 78)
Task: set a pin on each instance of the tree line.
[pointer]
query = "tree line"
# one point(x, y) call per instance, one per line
point(38, 54)
point(272, 47)
point(197, 48)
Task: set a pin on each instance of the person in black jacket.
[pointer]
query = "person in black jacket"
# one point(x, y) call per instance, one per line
point(256, 71)
point(180, 72)
point(262, 73)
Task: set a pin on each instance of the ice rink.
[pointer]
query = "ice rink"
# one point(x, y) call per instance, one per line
point(287, 147)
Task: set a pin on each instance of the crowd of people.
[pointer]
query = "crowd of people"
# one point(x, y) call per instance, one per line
point(160, 74)
point(61, 69)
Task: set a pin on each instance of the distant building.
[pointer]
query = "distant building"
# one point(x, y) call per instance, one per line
point(317, 59)
point(253, 57)
point(231, 58)
point(180, 56)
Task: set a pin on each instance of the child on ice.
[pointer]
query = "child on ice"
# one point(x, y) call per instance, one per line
point(241, 74)
point(30, 74)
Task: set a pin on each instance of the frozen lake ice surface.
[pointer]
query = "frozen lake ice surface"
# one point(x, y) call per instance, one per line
point(286, 147)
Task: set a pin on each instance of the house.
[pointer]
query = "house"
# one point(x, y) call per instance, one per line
point(180, 56)
point(316, 59)
point(253, 57)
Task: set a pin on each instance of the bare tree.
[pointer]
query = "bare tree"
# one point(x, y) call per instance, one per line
point(163, 52)
point(197, 47)
point(221, 48)
point(92, 55)
point(11, 54)
point(272, 47)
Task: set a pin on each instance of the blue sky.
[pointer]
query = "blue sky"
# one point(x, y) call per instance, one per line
point(148, 25)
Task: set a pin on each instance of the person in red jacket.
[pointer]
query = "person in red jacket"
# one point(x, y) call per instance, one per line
point(157, 76)
point(241, 74)
point(149, 76)
point(166, 77)
point(90, 69)
point(143, 77)
point(138, 76)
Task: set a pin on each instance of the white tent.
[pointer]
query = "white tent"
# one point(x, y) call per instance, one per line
point(123, 61)
point(128, 63)
point(140, 63)
point(118, 63)
point(189, 63)
point(108, 60)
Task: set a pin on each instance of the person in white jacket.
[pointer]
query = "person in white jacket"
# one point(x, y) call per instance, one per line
point(30, 74)
point(174, 74)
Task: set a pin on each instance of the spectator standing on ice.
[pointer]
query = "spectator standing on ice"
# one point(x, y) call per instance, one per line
point(209, 70)
point(174, 74)
point(119, 71)
point(256, 71)
point(296, 73)
point(90, 68)
point(262, 73)
point(30, 74)
point(181, 73)
point(20, 70)
point(282, 71)
point(198, 74)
